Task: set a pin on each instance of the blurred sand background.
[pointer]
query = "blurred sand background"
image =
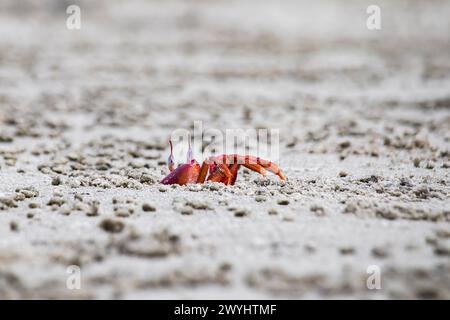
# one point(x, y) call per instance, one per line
point(364, 119)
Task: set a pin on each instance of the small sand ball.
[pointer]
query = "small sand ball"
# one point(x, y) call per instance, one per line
point(148, 207)
point(186, 210)
point(343, 174)
point(241, 212)
point(283, 202)
point(113, 226)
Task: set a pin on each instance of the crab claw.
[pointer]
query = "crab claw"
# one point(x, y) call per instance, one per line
point(184, 174)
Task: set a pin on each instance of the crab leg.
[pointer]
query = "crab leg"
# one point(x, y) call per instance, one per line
point(256, 167)
point(252, 161)
point(220, 173)
point(234, 168)
point(272, 167)
point(203, 172)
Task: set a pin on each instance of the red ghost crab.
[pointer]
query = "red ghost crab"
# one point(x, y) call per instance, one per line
point(223, 168)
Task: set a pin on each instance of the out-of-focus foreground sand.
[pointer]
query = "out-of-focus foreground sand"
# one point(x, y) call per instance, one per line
point(364, 119)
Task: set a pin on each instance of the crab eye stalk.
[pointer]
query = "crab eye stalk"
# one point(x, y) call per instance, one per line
point(170, 160)
point(190, 155)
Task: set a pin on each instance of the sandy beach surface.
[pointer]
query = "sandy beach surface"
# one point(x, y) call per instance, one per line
point(364, 129)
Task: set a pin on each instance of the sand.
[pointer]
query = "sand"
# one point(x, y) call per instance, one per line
point(363, 116)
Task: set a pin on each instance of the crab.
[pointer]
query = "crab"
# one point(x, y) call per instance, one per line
point(223, 168)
